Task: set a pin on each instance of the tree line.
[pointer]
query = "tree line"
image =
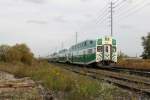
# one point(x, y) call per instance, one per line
point(146, 46)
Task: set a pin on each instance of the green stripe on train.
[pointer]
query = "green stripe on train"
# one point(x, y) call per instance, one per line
point(84, 58)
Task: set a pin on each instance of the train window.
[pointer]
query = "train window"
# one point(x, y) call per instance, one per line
point(94, 50)
point(106, 39)
point(99, 42)
point(89, 51)
point(91, 42)
point(84, 52)
point(99, 49)
point(114, 49)
point(106, 48)
point(114, 42)
point(85, 44)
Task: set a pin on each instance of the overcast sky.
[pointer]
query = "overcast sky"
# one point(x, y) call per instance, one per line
point(44, 24)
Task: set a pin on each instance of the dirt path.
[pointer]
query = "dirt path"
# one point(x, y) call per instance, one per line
point(12, 88)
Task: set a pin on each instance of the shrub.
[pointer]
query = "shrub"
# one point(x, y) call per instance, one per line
point(134, 64)
point(16, 53)
point(3, 51)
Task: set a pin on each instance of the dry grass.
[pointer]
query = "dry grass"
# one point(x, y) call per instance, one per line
point(68, 85)
point(135, 64)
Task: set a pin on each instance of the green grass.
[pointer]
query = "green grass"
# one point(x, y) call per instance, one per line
point(71, 86)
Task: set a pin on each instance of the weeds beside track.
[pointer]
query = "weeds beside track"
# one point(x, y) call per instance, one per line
point(125, 80)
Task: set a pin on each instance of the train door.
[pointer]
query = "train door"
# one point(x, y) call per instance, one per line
point(114, 53)
point(107, 52)
point(72, 57)
point(84, 58)
point(99, 53)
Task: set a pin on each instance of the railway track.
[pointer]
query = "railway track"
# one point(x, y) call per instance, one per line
point(125, 80)
point(143, 73)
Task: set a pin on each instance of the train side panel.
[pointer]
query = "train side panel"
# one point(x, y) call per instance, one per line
point(83, 53)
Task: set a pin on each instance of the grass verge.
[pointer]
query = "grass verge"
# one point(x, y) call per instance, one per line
point(65, 84)
point(135, 64)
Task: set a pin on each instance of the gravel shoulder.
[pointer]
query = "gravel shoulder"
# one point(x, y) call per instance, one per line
point(12, 88)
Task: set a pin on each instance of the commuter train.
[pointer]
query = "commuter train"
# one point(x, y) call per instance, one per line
point(100, 51)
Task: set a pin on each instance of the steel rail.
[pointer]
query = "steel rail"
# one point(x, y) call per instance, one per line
point(138, 72)
point(139, 83)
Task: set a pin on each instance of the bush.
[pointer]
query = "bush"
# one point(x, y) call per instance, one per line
point(134, 64)
point(146, 46)
point(16, 53)
point(3, 51)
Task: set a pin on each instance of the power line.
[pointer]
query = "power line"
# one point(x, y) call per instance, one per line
point(101, 19)
point(131, 8)
point(110, 12)
point(120, 6)
point(119, 3)
point(111, 19)
point(115, 1)
point(103, 13)
point(134, 10)
point(76, 37)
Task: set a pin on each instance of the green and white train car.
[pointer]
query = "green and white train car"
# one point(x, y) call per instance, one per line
point(54, 57)
point(99, 51)
point(63, 55)
point(83, 53)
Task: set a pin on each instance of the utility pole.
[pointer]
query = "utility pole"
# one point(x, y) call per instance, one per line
point(111, 18)
point(76, 37)
point(55, 49)
point(62, 45)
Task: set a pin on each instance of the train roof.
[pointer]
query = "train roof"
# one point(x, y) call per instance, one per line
point(83, 45)
point(63, 50)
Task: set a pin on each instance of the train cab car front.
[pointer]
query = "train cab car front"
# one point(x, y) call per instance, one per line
point(106, 50)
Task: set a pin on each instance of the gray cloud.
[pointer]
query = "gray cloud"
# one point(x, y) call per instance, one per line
point(126, 26)
point(130, 27)
point(60, 19)
point(88, 15)
point(37, 22)
point(34, 1)
point(84, 0)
